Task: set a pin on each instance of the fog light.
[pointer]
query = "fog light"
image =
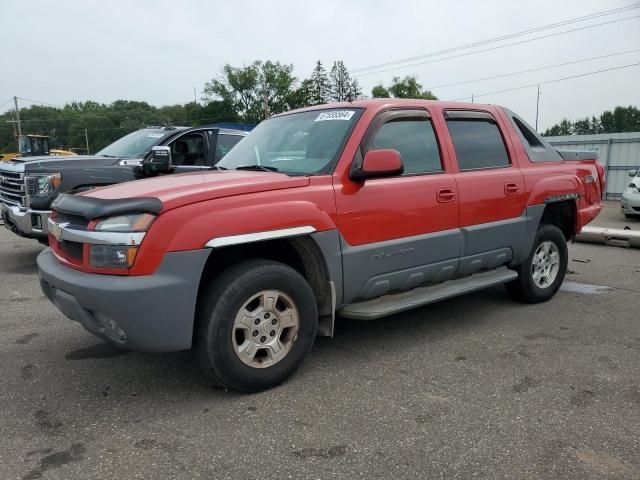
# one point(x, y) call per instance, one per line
point(112, 256)
point(108, 327)
point(36, 221)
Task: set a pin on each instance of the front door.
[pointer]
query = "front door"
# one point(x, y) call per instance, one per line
point(190, 152)
point(399, 232)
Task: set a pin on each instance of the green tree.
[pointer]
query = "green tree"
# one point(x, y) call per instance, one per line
point(255, 91)
point(407, 87)
point(582, 127)
point(380, 92)
point(240, 88)
point(319, 85)
point(354, 92)
point(621, 119)
point(340, 82)
point(303, 96)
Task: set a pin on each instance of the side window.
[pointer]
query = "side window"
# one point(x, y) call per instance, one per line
point(478, 143)
point(225, 143)
point(415, 140)
point(189, 150)
point(531, 138)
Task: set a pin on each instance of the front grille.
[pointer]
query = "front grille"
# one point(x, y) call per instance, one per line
point(76, 221)
point(71, 249)
point(12, 191)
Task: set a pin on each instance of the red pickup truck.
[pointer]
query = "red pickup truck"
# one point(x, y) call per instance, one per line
point(359, 209)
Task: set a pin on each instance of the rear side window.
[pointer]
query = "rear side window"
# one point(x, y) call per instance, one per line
point(478, 144)
point(531, 138)
point(416, 142)
point(226, 143)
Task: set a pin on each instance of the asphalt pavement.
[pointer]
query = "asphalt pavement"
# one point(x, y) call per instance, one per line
point(475, 387)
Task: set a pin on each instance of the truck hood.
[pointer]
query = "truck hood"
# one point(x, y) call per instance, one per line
point(182, 189)
point(51, 163)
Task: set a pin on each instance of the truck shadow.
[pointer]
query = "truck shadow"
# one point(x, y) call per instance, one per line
point(134, 374)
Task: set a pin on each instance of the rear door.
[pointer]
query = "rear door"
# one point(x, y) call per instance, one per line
point(399, 232)
point(490, 187)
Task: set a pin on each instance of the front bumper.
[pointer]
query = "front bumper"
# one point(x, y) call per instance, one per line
point(148, 313)
point(27, 223)
point(630, 203)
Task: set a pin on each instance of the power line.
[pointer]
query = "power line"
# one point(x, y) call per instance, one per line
point(504, 37)
point(532, 69)
point(38, 101)
point(498, 46)
point(476, 95)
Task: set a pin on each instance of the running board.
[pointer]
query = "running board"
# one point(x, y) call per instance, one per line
point(399, 302)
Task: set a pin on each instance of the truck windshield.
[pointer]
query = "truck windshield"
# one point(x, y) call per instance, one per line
point(136, 144)
point(304, 143)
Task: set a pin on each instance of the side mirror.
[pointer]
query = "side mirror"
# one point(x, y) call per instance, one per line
point(632, 173)
point(161, 159)
point(379, 163)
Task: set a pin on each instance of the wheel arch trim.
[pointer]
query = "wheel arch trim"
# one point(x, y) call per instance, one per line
point(226, 241)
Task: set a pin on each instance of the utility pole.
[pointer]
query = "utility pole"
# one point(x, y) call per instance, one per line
point(472, 98)
point(537, 107)
point(15, 102)
point(195, 97)
point(86, 139)
point(13, 121)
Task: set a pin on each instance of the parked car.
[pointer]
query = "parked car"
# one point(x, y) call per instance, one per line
point(28, 185)
point(360, 209)
point(630, 202)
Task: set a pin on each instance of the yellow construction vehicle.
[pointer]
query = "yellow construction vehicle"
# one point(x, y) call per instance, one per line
point(32, 146)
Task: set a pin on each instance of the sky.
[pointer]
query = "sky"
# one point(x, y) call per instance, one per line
point(158, 51)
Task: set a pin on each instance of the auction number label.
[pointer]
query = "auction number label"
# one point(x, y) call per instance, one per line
point(335, 115)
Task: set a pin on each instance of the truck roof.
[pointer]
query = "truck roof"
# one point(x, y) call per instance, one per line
point(391, 102)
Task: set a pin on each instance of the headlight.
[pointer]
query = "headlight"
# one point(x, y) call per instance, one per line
point(119, 256)
point(42, 185)
point(137, 222)
point(112, 256)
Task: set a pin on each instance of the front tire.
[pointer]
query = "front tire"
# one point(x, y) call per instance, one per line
point(542, 273)
point(257, 321)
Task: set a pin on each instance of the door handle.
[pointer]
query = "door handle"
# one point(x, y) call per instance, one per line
point(511, 188)
point(445, 195)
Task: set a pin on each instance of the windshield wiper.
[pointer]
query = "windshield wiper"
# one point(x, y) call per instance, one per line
point(218, 167)
point(263, 168)
point(111, 156)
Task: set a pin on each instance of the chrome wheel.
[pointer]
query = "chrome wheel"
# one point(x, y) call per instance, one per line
point(265, 328)
point(546, 264)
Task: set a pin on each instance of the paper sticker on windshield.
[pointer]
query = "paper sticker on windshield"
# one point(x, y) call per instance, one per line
point(335, 115)
point(155, 135)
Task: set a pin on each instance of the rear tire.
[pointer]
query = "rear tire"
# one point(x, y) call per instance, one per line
point(257, 321)
point(542, 273)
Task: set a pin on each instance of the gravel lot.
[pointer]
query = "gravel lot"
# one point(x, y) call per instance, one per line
point(476, 387)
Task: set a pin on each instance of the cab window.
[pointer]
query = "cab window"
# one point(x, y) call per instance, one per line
point(477, 142)
point(415, 140)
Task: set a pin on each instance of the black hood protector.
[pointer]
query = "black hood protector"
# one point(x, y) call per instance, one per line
point(92, 208)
